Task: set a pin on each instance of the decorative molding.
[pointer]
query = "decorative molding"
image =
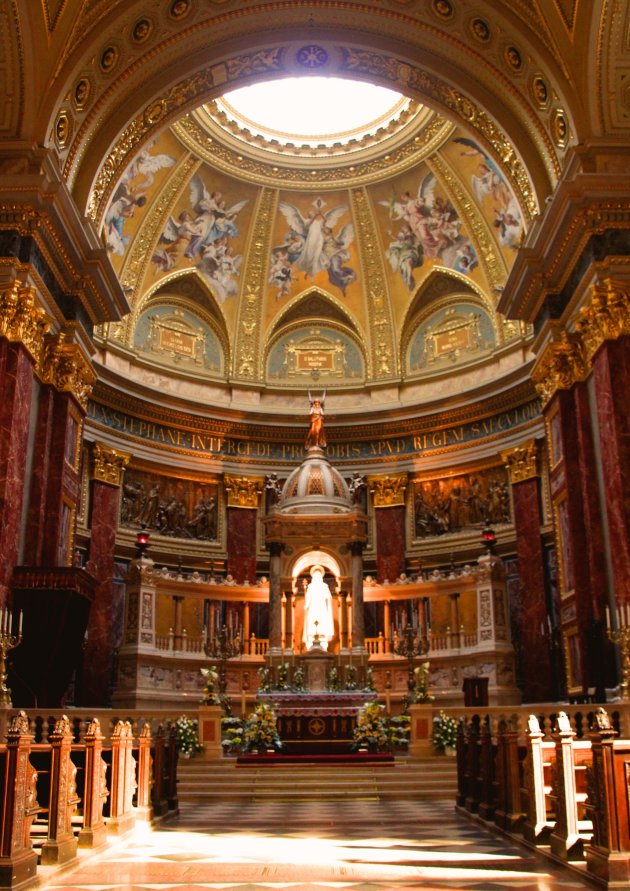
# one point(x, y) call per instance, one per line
point(567, 359)
point(243, 491)
point(560, 366)
point(605, 317)
point(109, 464)
point(522, 462)
point(388, 491)
point(68, 369)
point(247, 359)
point(383, 363)
point(22, 319)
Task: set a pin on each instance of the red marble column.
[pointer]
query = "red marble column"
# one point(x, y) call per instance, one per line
point(611, 373)
point(55, 482)
point(577, 522)
point(107, 465)
point(241, 544)
point(528, 610)
point(390, 542)
point(16, 390)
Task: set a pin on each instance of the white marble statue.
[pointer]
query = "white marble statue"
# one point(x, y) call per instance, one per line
point(318, 615)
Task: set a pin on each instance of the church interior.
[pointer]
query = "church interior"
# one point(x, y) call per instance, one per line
point(312, 416)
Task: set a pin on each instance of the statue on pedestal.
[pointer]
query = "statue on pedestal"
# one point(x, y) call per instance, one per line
point(316, 436)
point(318, 616)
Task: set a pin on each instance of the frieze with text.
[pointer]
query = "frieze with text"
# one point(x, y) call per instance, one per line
point(229, 447)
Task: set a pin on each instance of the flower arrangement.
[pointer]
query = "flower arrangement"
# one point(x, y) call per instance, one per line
point(419, 688)
point(211, 677)
point(369, 680)
point(332, 682)
point(264, 680)
point(299, 680)
point(187, 737)
point(232, 728)
point(371, 730)
point(444, 732)
point(351, 678)
point(283, 677)
point(260, 732)
point(398, 728)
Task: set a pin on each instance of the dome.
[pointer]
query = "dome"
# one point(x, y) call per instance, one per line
point(315, 487)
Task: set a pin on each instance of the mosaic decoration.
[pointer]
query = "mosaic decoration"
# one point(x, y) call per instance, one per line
point(177, 337)
point(460, 503)
point(451, 336)
point(315, 354)
point(178, 508)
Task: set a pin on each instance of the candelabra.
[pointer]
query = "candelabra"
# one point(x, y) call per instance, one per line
point(8, 641)
point(620, 635)
point(410, 645)
point(225, 645)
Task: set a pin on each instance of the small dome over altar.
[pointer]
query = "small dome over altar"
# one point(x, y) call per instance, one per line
point(315, 487)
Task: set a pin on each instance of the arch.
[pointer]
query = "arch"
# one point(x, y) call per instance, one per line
point(127, 113)
point(311, 558)
point(314, 303)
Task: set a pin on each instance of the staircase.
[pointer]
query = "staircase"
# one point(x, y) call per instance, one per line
point(210, 781)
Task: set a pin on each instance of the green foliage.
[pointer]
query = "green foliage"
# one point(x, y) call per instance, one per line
point(444, 732)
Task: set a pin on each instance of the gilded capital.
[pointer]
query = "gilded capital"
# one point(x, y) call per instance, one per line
point(22, 319)
point(605, 317)
point(68, 369)
point(108, 464)
point(522, 461)
point(388, 491)
point(561, 365)
point(243, 491)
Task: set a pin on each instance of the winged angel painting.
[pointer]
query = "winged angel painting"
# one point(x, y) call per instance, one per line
point(429, 229)
point(312, 244)
point(131, 194)
point(491, 189)
point(203, 236)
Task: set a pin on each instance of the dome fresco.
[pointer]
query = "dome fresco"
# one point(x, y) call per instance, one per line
point(368, 247)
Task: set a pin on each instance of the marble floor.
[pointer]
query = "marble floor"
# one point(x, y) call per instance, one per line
point(358, 845)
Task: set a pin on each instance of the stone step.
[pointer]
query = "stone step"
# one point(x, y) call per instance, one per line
point(207, 781)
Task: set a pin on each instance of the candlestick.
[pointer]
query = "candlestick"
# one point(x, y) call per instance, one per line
point(8, 642)
point(621, 637)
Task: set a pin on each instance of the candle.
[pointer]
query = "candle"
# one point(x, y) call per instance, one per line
point(608, 617)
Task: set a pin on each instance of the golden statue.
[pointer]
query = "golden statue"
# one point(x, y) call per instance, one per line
point(316, 436)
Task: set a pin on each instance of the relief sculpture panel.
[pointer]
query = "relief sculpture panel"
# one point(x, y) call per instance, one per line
point(176, 507)
point(460, 503)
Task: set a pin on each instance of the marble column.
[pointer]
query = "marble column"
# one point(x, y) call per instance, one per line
point(387, 622)
point(243, 495)
point(275, 597)
point(107, 470)
point(16, 390)
point(358, 616)
point(529, 611)
point(611, 375)
point(388, 498)
point(68, 378)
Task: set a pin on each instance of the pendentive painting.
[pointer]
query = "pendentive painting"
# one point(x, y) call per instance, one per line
point(178, 508)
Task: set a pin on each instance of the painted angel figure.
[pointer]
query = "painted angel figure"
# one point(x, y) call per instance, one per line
point(213, 219)
point(313, 245)
point(316, 436)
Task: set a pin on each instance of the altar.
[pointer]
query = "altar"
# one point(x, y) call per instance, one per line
point(313, 723)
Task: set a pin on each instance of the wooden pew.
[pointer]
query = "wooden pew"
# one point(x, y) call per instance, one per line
point(487, 777)
point(18, 860)
point(540, 816)
point(608, 854)
point(93, 791)
point(571, 829)
point(508, 814)
point(122, 780)
point(471, 776)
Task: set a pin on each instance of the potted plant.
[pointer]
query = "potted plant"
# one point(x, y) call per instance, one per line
point(398, 728)
point(187, 736)
point(444, 735)
point(232, 728)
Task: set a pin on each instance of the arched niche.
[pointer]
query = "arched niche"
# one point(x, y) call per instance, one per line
point(455, 333)
point(169, 333)
point(320, 352)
